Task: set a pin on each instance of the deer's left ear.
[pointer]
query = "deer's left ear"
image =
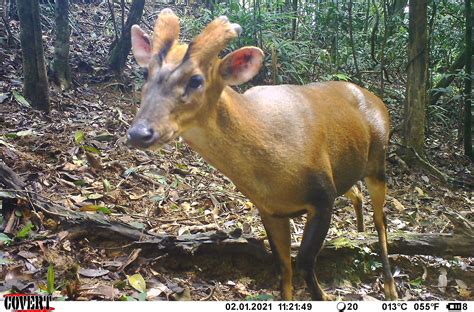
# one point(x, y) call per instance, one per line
point(241, 65)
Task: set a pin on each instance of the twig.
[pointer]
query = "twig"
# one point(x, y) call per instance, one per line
point(132, 257)
point(136, 174)
point(112, 13)
point(213, 289)
point(10, 223)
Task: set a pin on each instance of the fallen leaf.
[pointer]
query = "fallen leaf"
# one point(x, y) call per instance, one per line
point(136, 196)
point(93, 272)
point(419, 191)
point(398, 205)
point(79, 137)
point(463, 289)
point(3, 97)
point(137, 282)
point(94, 196)
point(21, 99)
point(78, 199)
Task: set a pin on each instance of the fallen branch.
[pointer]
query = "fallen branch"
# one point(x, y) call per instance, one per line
point(103, 230)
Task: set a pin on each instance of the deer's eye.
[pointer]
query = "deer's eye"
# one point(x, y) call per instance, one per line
point(145, 74)
point(195, 82)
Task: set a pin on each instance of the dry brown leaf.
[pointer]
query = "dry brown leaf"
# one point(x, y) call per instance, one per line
point(398, 205)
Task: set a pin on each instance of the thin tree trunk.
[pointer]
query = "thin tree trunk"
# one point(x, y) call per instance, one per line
point(366, 22)
point(373, 35)
point(468, 98)
point(35, 87)
point(415, 105)
point(351, 36)
point(62, 70)
point(295, 19)
point(384, 45)
point(335, 38)
point(119, 54)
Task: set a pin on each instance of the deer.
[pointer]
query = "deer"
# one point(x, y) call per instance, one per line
point(291, 149)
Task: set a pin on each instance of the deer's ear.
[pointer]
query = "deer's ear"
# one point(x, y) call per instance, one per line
point(241, 65)
point(141, 46)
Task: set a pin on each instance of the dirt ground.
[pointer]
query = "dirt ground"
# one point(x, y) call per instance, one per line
point(77, 156)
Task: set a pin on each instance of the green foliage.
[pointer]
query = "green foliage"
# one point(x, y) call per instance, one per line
point(50, 280)
point(261, 297)
point(25, 231)
point(5, 238)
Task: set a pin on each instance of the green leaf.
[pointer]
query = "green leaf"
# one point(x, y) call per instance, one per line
point(50, 280)
point(79, 137)
point(417, 282)
point(25, 231)
point(137, 282)
point(127, 298)
point(343, 77)
point(80, 182)
point(142, 296)
point(11, 135)
point(121, 284)
point(261, 297)
point(5, 238)
point(21, 99)
point(91, 149)
point(104, 210)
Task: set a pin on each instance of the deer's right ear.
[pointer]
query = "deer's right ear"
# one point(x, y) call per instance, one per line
point(141, 46)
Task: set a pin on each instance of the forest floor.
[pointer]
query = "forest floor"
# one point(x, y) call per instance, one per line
point(77, 156)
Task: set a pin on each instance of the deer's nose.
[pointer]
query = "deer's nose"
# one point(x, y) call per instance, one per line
point(141, 135)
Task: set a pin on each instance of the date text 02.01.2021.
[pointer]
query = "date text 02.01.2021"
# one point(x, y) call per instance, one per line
point(248, 306)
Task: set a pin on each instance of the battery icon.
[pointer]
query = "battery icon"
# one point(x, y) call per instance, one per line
point(454, 306)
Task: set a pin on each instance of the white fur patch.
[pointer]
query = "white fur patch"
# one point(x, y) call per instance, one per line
point(373, 115)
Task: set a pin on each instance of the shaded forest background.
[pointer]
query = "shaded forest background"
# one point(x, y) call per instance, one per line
point(69, 90)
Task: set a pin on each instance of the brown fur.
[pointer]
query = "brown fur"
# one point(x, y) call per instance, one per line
point(290, 149)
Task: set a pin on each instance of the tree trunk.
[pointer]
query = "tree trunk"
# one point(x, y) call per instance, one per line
point(468, 126)
point(415, 105)
point(35, 87)
point(119, 54)
point(62, 70)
